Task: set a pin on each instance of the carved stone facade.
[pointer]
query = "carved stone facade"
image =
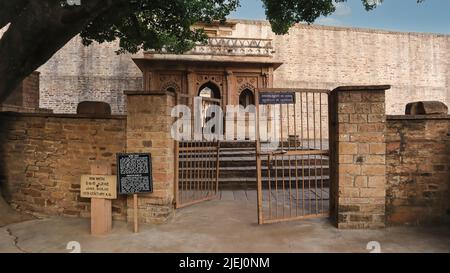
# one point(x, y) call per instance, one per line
point(188, 77)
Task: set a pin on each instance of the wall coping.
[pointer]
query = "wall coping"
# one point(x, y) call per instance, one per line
point(147, 93)
point(341, 28)
point(68, 116)
point(418, 117)
point(362, 88)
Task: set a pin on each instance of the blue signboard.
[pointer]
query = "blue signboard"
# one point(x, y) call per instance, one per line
point(277, 98)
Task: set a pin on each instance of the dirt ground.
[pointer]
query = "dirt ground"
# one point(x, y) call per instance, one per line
point(218, 226)
point(9, 216)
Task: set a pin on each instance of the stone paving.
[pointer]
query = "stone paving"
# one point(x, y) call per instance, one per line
point(218, 226)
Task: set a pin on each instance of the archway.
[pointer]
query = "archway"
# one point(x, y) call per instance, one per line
point(209, 90)
point(247, 120)
point(246, 98)
point(211, 94)
point(171, 89)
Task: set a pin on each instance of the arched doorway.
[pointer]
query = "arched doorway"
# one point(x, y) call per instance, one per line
point(210, 93)
point(247, 120)
point(209, 90)
point(246, 98)
point(171, 89)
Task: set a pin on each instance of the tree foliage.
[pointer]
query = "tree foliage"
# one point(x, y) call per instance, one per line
point(39, 28)
point(283, 14)
point(150, 24)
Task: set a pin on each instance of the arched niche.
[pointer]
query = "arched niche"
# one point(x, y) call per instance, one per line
point(246, 98)
point(209, 90)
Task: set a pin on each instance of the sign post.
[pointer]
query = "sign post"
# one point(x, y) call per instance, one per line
point(135, 211)
point(101, 187)
point(134, 174)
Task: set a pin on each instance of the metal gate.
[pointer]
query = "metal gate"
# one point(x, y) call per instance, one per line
point(197, 161)
point(292, 157)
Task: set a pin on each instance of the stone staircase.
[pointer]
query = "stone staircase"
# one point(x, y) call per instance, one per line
point(238, 168)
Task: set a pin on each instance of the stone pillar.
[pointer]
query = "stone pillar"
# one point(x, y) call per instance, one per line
point(358, 156)
point(230, 87)
point(148, 131)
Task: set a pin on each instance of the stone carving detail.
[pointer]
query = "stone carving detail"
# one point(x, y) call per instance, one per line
point(217, 79)
point(266, 79)
point(171, 85)
point(223, 46)
point(247, 83)
point(247, 86)
point(170, 81)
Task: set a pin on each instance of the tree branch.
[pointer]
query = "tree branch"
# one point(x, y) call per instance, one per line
point(9, 9)
point(38, 33)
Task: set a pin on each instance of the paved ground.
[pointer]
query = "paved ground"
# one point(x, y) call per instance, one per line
point(217, 226)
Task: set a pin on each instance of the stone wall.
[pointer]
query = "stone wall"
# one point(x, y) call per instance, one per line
point(323, 57)
point(42, 157)
point(418, 169)
point(357, 161)
point(77, 73)
point(26, 95)
point(320, 57)
point(149, 131)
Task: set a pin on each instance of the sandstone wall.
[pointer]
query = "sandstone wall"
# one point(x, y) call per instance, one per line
point(42, 157)
point(418, 169)
point(26, 95)
point(357, 157)
point(148, 131)
point(415, 65)
point(78, 73)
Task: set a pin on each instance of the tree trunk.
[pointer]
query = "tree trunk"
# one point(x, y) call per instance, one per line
point(38, 29)
point(10, 216)
point(37, 33)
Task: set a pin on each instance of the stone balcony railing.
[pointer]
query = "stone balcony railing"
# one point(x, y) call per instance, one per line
point(225, 46)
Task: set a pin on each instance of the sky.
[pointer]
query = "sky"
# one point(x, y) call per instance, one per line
point(432, 16)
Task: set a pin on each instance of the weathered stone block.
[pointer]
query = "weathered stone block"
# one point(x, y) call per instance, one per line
point(418, 173)
point(93, 108)
point(426, 108)
point(347, 148)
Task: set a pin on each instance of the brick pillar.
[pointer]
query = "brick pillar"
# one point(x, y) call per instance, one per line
point(148, 131)
point(358, 156)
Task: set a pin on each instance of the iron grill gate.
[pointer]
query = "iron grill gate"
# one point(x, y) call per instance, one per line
point(198, 172)
point(197, 161)
point(293, 157)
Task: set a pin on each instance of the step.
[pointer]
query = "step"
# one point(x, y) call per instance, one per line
point(264, 179)
point(228, 164)
point(250, 157)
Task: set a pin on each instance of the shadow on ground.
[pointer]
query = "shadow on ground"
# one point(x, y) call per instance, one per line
point(218, 226)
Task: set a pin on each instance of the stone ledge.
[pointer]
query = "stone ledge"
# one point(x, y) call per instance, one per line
point(147, 93)
point(306, 90)
point(418, 117)
point(340, 28)
point(362, 88)
point(71, 116)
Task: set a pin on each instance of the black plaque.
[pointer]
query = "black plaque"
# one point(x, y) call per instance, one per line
point(277, 98)
point(134, 173)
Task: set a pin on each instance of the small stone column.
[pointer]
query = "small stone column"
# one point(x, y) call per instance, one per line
point(358, 156)
point(148, 131)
